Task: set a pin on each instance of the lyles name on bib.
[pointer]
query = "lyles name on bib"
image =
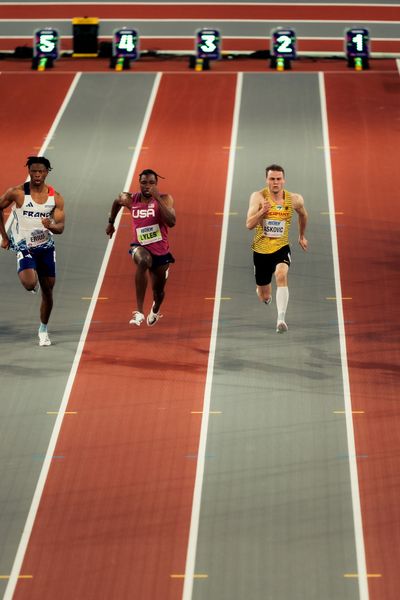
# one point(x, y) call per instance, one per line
point(148, 234)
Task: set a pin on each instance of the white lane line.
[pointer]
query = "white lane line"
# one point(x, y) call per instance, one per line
point(53, 128)
point(198, 486)
point(74, 368)
point(355, 492)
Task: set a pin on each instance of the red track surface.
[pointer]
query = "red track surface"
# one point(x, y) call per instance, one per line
point(28, 108)
point(363, 114)
point(181, 65)
point(210, 11)
point(114, 517)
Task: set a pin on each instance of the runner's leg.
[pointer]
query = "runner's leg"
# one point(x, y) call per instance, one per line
point(159, 279)
point(46, 306)
point(282, 293)
point(143, 261)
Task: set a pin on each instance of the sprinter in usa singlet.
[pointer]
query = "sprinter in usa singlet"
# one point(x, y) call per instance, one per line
point(152, 215)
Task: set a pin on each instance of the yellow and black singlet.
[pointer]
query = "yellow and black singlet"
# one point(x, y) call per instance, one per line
point(273, 233)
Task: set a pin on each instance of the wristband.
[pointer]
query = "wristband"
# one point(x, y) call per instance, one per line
point(111, 221)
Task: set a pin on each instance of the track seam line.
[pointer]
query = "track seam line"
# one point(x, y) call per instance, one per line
point(198, 486)
point(22, 547)
point(355, 491)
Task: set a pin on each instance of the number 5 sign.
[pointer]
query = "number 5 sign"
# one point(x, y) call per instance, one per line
point(46, 43)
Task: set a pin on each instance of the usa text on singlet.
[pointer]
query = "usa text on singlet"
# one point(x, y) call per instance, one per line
point(273, 233)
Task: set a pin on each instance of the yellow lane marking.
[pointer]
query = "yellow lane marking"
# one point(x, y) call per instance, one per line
point(342, 298)
point(200, 412)
point(19, 576)
point(55, 412)
point(354, 412)
point(357, 575)
point(90, 298)
point(195, 576)
point(222, 298)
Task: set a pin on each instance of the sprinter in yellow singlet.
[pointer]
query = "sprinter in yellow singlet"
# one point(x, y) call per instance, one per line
point(270, 214)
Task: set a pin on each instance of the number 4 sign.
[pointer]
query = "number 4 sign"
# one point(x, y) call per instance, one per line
point(126, 43)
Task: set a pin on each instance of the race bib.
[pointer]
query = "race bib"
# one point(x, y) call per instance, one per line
point(149, 234)
point(273, 229)
point(37, 237)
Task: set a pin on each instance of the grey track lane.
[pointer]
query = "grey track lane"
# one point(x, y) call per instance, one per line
point(276, 516)
point(186, 28)
point(91, 156)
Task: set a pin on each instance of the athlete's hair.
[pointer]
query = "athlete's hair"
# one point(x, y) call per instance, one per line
point(274, 168)
point(150, 172)
point(38, 159)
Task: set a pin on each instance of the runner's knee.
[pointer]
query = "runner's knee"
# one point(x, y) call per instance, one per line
point(28, 281)
point(143, 260)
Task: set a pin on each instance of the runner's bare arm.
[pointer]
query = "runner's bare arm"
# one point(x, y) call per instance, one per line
point(57, 223)
point(258, 207)
point(166, 204)
point(124, 199)
point(9, 197)
point(298, 205)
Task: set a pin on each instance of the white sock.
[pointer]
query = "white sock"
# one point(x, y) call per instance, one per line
point(282, 299)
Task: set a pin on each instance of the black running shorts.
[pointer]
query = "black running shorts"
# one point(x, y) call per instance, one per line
point(157, 259)
point(265, 264)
